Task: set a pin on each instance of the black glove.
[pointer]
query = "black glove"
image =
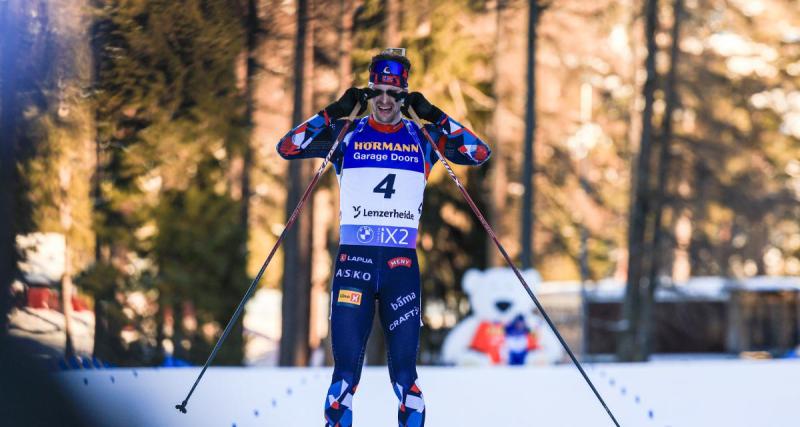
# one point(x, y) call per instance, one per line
point(345, 105)
point(422, 107)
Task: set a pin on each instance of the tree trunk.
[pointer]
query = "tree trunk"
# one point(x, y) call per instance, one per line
point(392, 20)
point(66, 304)
point(295, 310)
point(529, 161)
point(498, 166)
point(347, 10)
point(252, 28)
point(629, 350)
point(65, 209)
point(702, 177)
point(663, 167)
point(102, 347)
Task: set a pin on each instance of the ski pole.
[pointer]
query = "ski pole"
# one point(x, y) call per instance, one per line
point(492, 234)
point(182, 406)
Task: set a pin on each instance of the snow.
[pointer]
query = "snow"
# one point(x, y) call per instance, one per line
point(707, 288)
point(673, 393)
point(47, 327)
point(43, 255)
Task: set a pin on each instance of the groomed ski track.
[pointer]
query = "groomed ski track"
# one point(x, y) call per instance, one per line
point(675, 394)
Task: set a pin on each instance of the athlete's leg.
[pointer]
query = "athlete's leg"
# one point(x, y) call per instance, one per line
point(400, 311)
point(352, 310)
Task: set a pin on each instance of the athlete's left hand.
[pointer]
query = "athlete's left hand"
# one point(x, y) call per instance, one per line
point(422, 107)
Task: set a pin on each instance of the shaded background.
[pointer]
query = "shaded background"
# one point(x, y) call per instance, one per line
point(138, 155)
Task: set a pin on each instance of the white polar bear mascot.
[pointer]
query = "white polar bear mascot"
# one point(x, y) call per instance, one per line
point(504, 326)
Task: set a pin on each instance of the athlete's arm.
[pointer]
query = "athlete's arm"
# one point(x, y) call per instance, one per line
point(457, 143)
point(314, 137)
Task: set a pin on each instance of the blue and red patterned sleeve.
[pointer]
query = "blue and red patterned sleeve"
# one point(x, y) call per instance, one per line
point(458, 144)
point(313, 138)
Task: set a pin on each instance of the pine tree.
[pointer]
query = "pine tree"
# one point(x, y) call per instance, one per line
point(629, 350)
point(171, 120)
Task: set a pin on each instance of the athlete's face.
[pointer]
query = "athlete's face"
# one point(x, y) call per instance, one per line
point(385, 107)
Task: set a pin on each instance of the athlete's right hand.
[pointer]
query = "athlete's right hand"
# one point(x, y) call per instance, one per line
point(345, 105)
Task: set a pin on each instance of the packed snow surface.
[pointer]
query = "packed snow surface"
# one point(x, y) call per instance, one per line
point(676, 394)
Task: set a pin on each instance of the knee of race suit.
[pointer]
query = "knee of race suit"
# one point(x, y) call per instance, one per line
point(411, 407)
point(339, 404)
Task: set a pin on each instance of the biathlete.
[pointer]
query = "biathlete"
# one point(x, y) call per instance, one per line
point(382, 167)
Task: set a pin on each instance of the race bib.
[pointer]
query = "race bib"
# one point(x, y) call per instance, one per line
point(382, 186)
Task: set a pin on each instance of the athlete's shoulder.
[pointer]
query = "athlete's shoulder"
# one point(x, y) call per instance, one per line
point(358, 124)
point(412, 126)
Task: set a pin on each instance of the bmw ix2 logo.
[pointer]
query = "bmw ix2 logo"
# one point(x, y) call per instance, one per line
point(365, 234)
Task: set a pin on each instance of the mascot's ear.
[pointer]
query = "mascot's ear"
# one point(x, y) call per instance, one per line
point(471, 280)
point(532, 277)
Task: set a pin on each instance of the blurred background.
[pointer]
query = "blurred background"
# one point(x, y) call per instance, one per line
point(646, 162)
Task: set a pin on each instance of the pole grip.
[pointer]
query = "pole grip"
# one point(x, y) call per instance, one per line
point(354, 113)
point(414, 115)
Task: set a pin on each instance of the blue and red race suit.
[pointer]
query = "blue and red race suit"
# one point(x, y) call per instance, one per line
point(382, 172)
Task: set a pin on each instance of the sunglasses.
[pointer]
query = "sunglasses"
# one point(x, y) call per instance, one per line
point(398, 95)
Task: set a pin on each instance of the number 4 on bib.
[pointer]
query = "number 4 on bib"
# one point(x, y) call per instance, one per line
point(386, 186)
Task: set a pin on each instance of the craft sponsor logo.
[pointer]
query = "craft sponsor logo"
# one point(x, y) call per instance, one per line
point(400, 261)
point(410, 314)
point(394, 213)
point(386, 146)
point(354, 274)
point(361, 259)
point(349, 297)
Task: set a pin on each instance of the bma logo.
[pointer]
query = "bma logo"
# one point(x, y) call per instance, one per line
point(365, 234)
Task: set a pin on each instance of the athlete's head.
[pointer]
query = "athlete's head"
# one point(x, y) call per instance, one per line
point(388, 78)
